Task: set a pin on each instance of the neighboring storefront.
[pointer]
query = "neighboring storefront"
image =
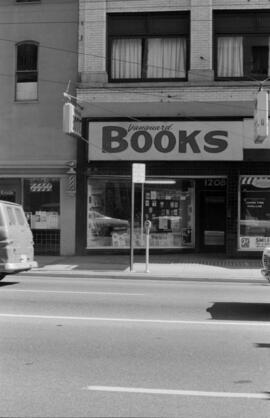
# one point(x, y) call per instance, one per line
point(254, 214)
point(198, 194)
point(49, 203)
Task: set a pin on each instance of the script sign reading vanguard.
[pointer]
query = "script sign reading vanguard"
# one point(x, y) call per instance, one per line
point(165, 140)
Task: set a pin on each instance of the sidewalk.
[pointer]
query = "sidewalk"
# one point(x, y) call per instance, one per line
point(166, 266)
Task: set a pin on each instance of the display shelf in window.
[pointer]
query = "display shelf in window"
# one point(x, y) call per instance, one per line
point(44, 220)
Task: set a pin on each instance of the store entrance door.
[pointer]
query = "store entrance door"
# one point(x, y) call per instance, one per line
point(212, 220)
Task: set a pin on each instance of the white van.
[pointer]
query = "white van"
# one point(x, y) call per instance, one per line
point(16, 240)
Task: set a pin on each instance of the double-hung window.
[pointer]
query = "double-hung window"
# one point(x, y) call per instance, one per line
point(27, 71)
point(145, 47)
point(242, 41)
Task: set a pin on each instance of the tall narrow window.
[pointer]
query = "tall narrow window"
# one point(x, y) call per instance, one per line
point(27, 74)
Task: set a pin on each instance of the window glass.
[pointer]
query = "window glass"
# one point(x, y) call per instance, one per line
point(19, 216)
point(170, 208)
point(148, 58)
point(42, 202)
point(1, 218)
point(27, 75)
point(242, 45)
point(145, 47)
point(10, 215)
point(254, 228)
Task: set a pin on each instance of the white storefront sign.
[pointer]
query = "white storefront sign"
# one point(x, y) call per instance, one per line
point(254, 243)
point(165, 140)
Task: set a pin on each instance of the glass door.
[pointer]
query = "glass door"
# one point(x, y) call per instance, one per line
point(212, 220)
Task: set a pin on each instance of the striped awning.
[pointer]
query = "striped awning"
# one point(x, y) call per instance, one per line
point(256, 181)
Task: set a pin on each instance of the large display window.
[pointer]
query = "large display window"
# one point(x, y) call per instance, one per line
point(168, 205)
point(254, 222)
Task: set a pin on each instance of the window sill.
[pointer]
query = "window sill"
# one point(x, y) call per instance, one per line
point(32, 101)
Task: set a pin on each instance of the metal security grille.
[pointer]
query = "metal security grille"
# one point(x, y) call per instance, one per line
point(46, 241)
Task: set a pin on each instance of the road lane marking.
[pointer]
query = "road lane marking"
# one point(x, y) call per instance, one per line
point(74, 292)
point(137, 320)
point(178, 392)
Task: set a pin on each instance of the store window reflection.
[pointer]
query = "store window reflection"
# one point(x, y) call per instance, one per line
point(42, 207)
point(169, 207)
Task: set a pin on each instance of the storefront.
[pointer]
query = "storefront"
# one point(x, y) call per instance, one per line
point(49, 204)
point(200, 194)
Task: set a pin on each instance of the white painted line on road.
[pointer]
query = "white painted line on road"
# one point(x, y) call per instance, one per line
point(138, 320)
point(178, 392)
point(74, 292)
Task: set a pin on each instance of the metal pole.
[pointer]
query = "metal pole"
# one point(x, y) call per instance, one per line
point(132, 224)
point(147, 253)
point(142, 214)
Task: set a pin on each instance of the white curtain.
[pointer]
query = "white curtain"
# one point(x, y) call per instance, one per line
point(126, 58)
point(230, 56)
point(166, 58)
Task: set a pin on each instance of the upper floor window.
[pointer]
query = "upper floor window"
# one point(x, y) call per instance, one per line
point(242, 45)
point(145, 47)
point(27, 73)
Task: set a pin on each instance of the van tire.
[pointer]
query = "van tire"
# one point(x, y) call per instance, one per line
point(2, 275)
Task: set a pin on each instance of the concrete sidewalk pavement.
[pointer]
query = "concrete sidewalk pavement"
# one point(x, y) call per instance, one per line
point(162, 266)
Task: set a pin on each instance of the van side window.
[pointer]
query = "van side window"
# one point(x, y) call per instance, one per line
point(11, 217)
point(1, 219)
point(19, 216)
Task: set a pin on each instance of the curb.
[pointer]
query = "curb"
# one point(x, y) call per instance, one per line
point(142, 276)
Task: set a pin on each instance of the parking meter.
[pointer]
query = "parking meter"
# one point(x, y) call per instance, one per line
point(147, 225)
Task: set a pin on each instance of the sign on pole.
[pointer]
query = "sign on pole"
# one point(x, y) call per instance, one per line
point(72, 120)
point(138, 173)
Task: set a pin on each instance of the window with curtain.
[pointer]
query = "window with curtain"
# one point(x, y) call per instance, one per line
point(146, 47)
point(230, 56)
point(27, 71)
point(242, 45)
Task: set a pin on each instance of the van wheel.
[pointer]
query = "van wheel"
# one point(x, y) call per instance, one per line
point(2, 275)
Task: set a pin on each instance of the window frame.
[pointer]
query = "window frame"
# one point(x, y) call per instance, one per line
point(27, 1)
point(248, 26)
point(36, 71)
point(144, 35)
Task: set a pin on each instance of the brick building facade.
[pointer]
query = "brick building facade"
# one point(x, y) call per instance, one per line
point(173, 86)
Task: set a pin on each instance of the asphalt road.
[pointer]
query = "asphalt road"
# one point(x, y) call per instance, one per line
point(85, 347)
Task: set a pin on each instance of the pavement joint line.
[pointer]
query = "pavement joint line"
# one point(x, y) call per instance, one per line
point(138, 320)
point(75, 292)
point(198, 393)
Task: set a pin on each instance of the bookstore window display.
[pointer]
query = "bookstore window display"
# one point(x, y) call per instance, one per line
point(169, 207)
